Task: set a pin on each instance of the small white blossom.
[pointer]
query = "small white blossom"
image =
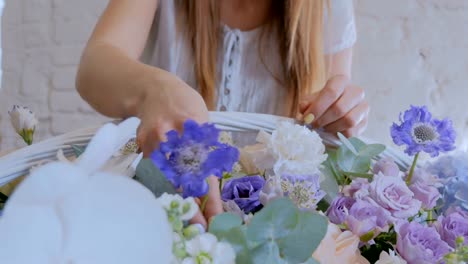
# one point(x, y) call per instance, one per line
point(205, 248)
point(24, 122)
point(185, 208)
point(392, 258)
point(298, 150)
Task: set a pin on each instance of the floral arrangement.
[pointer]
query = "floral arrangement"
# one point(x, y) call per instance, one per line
point(289, 199)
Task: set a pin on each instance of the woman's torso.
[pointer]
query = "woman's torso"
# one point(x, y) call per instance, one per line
point(249, 71)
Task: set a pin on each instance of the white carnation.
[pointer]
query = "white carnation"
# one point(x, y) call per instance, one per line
point(298, 150)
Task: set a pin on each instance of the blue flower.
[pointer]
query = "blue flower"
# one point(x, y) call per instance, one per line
point(420, 132)
point(453, 171)
point(188, 159)
point(245, 192)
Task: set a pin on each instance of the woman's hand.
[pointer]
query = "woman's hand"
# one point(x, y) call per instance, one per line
point(167, 104)
point(338, 107)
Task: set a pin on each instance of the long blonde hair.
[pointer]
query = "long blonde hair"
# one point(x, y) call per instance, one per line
point(300, 30)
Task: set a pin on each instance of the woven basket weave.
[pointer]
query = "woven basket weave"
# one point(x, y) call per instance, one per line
point(18, 163)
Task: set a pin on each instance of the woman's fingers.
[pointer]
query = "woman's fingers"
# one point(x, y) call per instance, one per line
point(332, 91)
point(351, 121)
point(214, 205)
point(351, 97)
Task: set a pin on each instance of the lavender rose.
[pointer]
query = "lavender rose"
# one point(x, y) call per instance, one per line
point(359, 188)
point(339, 209)
point(392, 194)
point(424, 186)
point(419, 244)
point(365, 217)
point(387, 166)
point(452, 226)
point(425, 193)
point(244, 192)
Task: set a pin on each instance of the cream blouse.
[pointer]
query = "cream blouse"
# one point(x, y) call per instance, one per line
point(244, 82)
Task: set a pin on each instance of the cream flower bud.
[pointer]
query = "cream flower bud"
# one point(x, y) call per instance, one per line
point(24, 122)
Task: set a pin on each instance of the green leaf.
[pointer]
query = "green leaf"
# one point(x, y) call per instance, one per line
point(273, 222)
point(78, 150)
point(224, 222)
point(267, 253)
point(329, 184)
point(238, 240)
point(348, 144)
point(359, 175)
point(311, 261)
point(357, 143)
point(152, 178)
point(298, 246)
point(371, 150)
point(331, 168)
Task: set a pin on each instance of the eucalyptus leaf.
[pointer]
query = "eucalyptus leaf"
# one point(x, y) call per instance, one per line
point(237, 238)
point(371, 150)
point(78, 150)
point(331, 167)
point(347, 143)
point(311, 261)
point(357, 143)
point(152, 178)
point(298, 246)
point(267, 253)
point(224, 222)
point(273, 222)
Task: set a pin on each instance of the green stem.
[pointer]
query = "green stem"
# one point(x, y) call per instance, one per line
point(204, 201)
point(410, 175)
point(429, 215)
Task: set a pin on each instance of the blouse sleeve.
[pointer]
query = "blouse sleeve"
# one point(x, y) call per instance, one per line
point(339, 26)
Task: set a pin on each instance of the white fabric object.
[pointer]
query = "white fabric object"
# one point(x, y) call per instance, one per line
point(72, 213)
point(245, 84)
point(2, 5)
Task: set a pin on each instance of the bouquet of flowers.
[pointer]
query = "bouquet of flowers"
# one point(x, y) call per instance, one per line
point(289, 199)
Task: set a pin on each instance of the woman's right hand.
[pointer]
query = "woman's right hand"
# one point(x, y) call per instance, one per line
point(168, 102)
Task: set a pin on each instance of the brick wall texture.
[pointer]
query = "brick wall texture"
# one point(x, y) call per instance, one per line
point(408, 52)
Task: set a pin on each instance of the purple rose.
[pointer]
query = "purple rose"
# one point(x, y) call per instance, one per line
point(244, 192)
point(424, 186)
point(359, 188)
point(387, 166)
point(452, 226)
point(419, 244)
point(425, 193)
point(392, 194)
point(339, 209)
point(365, 217)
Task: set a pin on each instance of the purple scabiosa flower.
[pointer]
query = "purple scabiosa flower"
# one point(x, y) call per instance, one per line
point(420, 132)
point(245, 192)
point(339, 209)
point(452, 226)
point(303, 190)
point(188, 159)
point(364, 218)
point(420, 244)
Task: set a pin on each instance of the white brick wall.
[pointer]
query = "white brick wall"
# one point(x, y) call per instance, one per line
point(409, 52)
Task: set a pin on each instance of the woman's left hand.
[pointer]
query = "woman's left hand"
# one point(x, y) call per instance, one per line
point(338, 107)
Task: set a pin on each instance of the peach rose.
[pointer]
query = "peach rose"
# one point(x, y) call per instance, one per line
point(339, 247)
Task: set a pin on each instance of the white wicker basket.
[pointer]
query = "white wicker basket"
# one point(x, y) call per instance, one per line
point(19, 163)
